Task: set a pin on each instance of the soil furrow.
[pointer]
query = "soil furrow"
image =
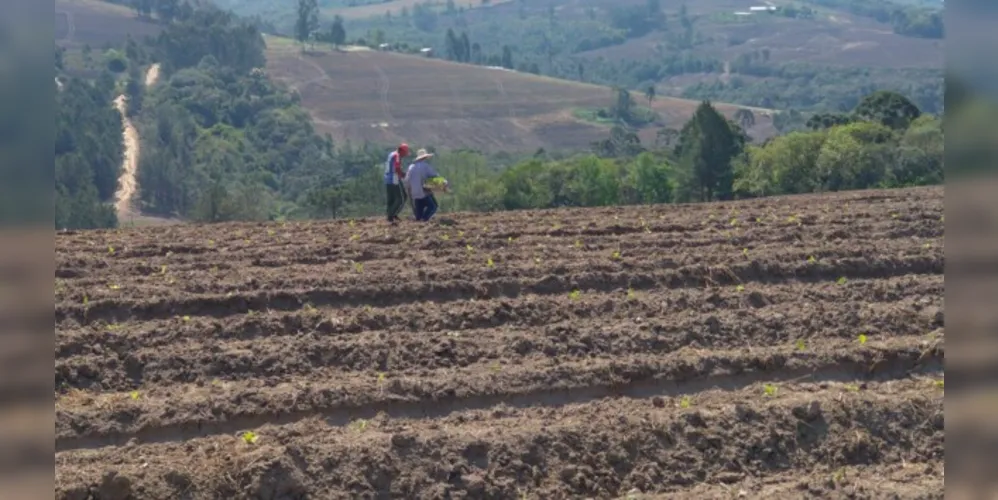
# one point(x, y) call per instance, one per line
point(603, 448)
point(856, 301)
point(168, 414)
point(120, 310)
point(785, 347)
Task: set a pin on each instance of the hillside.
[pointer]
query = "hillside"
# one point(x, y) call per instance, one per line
point(810, 55)
point(377, 96)
point(94, 23)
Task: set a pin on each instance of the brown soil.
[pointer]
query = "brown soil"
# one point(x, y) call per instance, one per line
point(706, 351)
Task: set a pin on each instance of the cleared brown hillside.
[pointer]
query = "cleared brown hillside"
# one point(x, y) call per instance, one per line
point(384, 96)
point(82, 22)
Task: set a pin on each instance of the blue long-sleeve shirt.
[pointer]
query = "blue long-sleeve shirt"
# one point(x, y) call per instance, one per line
point(418, 173)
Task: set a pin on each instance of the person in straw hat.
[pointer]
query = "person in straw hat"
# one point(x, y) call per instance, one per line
point(424, 204)
point(394, 176)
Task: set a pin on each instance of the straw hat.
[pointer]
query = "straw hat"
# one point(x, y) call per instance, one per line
point(422, 155)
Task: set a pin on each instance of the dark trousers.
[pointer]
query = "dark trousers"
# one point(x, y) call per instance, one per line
point(396, 200)
point(425, 207)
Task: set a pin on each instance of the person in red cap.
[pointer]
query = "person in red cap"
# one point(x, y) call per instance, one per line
point(393, 181)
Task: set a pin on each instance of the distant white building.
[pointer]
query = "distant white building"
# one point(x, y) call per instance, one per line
point(426, 51)
point(383, 46)
point(762, 8)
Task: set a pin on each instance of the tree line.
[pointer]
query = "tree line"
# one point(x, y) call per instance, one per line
point(884, 142)
point(88, 153)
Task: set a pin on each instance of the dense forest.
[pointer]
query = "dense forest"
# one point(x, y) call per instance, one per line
point(88, 153)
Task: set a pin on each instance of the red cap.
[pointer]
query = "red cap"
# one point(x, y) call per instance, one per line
point(404, 149)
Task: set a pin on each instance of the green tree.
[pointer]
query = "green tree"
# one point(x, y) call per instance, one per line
point(889, 108)
point(526, 186)
point(337, 33)
point(308, 20)
point(851, 158)
point(707, 146)
point(649, 179)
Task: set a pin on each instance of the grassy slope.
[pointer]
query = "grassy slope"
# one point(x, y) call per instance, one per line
point(382, 96)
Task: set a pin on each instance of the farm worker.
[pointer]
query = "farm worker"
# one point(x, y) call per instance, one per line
point(393, 181)
point(424, 204)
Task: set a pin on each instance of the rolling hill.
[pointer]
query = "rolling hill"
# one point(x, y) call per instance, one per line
point(362, 95)
point(94, 23)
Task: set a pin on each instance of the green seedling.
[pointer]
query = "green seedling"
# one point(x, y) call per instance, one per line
point(630, 293)
point(839, 475)
point(734, 222)
point(134, 395)
point(249, 437)
point(115, 287)
point(354, 237)
point(485, 229)
point(852, 387)
point(769, 390)
point(445, 237)
point(460, 234)
point(927, 245)
point(211, 243)
point(939, 383)
point(113, 327)
point(758, 220)
point(186, 318)
point(685, 402)
point(309, 307)
point(358, 266)
point(359, 425)
point(801, 345)
point(86, 300)
point(490, 263)
point(496, 367)
point(740, 288)
point(575, 295)
point(352, 223)
point(616, 255)
point(162, 270)
point(469, 248)
point(578, 244)
point(745, 252)
point(861, 339)
point(811, 260)
point(841, 281)
point(110, 250)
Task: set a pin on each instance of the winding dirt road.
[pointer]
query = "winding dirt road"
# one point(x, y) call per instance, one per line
point(126, 183)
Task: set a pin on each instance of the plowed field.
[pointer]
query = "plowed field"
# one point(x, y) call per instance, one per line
point(778, 348)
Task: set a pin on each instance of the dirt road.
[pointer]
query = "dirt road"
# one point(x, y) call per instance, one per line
point(127, 185)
